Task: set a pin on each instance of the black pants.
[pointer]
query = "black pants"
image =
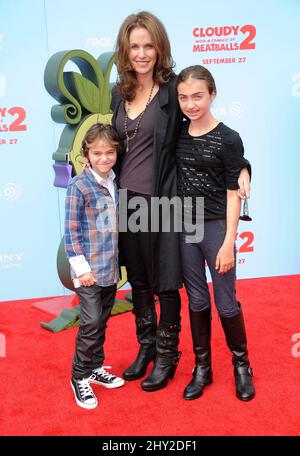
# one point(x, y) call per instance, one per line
point(137, 257)
point(95, 307)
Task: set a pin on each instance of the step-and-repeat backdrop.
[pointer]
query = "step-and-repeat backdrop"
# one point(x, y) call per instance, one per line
point(252, 49)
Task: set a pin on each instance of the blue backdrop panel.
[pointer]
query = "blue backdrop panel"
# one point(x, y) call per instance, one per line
point(28, 202)
point(251, 49)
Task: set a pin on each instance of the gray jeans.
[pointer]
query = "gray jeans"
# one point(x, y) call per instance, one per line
point(194, 275)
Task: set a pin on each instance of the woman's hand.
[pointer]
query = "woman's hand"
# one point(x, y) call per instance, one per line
point(88, 279)
point(244, 184)
point(225, 258)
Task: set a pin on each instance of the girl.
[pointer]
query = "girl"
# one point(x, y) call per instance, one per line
point(209, 160)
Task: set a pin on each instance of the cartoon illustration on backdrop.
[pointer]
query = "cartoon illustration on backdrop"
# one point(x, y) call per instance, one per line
point(84, 98)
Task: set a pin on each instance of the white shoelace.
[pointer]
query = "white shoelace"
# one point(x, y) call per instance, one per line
point(84, 388)
point(101, 371)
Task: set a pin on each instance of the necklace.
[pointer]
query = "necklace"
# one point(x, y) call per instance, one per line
point(135, 132)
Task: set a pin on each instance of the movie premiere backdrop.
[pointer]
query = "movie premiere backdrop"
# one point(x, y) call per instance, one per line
point(252, 49)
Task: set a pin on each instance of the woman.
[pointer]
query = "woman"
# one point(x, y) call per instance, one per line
point(210, 156)
point(147, 116)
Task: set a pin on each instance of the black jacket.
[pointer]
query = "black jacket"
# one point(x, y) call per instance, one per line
point(166, 252)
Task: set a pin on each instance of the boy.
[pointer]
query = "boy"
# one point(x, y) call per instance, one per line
point(91, 245)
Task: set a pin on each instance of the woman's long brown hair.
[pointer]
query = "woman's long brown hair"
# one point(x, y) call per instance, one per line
point(127, 82)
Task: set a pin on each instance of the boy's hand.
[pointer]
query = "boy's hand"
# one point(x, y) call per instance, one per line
point(225, 258)
point(86, 280)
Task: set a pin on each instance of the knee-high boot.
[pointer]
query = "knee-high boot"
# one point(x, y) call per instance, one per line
point(201, 334)
point(235, 334)
point(146, 326)
point(167, 358)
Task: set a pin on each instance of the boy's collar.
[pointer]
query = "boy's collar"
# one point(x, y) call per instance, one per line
point(99, 179)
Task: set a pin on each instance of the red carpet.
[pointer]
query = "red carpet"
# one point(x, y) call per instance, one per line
point(37, 398)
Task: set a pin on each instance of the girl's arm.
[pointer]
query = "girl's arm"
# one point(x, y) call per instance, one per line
point(238, 168)
point(225, 257)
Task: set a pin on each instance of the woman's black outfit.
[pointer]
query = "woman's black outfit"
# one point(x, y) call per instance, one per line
point(152, 259)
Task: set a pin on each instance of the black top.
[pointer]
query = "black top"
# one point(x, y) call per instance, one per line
point(137, 165)
point(207, 166)
point(164, 245)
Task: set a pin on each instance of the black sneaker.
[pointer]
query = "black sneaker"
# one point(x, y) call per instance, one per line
point(83, 393)
point(101, 377)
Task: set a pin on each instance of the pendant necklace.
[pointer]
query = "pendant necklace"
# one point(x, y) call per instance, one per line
point(129, 138)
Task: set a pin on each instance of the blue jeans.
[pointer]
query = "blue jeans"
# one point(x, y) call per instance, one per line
point(194, 275)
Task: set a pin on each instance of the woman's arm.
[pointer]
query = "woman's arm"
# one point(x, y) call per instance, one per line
point(244, 184)
point(225, 257)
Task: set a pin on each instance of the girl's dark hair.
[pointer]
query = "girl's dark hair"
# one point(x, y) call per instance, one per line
point(99, 131)
point(128, 83)
point(198, 72)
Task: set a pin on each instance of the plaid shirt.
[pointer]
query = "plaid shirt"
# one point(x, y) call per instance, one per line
point(91, 227)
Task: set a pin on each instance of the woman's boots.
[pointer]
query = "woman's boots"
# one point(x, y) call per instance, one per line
point(235, 334)
point(167, 359)
point(201, 334)
point(146, 326)
point(163, 344)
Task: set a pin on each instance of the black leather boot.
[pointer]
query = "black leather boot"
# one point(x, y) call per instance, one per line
point(201, 334)
point(167, 359)
point(235, 333)
point(146, 325)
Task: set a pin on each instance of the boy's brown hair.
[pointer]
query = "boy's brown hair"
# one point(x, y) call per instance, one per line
point(100, 131)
